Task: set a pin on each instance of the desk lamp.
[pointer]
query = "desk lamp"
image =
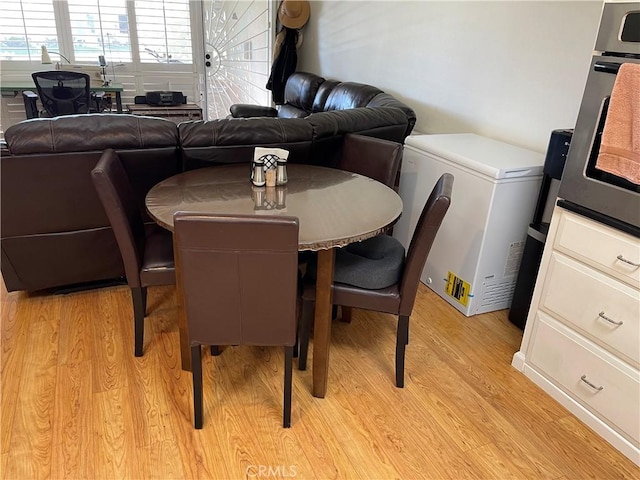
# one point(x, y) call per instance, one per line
point(46, 59)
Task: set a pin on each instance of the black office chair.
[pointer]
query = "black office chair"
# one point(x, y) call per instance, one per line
point(61, 93)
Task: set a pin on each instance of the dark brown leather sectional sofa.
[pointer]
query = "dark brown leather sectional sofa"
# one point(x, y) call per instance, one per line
point(53, 230)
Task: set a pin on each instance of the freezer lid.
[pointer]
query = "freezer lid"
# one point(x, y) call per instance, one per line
point(484, 155)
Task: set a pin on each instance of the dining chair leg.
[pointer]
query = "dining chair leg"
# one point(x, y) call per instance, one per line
point(215, 350)
point(288, 376)
point(196, 372)
point(346, 314)
point(402, 340)
point(139, 296)
point(296, 347)
point(305, 333)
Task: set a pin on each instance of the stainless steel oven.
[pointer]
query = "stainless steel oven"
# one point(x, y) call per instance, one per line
point(585, 188)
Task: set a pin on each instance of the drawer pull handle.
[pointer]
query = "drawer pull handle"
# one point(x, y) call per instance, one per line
point(584, 379)
point(622, 259)
point(610, 320)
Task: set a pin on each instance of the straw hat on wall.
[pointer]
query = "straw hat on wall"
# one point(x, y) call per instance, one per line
point(294, 14)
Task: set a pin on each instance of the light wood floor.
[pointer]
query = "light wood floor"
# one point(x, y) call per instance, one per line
point(77, 404)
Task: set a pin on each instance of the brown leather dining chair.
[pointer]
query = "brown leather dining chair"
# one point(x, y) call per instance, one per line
point(375, 277)
point(372, 157)
point(147, 250)
point(239, 281)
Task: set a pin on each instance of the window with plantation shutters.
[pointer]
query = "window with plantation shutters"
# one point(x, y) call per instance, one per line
point(24, 27)
point(164, 31)
point(99, 27)
point(82, 30)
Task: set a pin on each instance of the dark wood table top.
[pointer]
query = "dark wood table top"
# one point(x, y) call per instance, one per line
point(334, 207)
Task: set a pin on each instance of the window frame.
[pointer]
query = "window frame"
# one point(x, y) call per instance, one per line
point(64, 35)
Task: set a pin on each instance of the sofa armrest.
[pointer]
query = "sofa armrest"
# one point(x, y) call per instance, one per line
point(30, 106)
point(243, 110)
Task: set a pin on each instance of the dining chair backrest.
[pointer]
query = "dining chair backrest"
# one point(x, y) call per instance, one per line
point(372, 157)
point(239, 278)
point(238, 275)
point(146, 251)
point(118, 199)
point(424, 235)
point(63, 93)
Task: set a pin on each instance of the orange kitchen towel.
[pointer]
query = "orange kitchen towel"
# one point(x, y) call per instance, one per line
point(620, 147)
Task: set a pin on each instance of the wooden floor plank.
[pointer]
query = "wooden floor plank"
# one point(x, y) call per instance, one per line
point(72, 440)
point(75, 338)
point(31, 444)
point(110, 342)
point(76, 403)
point(114, 451)
point(12, 344)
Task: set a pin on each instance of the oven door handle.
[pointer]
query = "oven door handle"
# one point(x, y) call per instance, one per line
point(607, 67)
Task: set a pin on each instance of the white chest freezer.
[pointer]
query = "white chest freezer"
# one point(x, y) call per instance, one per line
point(474, 261)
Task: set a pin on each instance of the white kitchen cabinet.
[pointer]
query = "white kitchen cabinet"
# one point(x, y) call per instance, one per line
point(581, 343)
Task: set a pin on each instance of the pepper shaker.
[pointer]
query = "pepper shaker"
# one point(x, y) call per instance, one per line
point(257, 175)
point(281, 173)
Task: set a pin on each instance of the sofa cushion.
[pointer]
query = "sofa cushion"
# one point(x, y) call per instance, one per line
point(233, 140)
point(244, 110)
point(301, 89)
point(339, 122)
point(243, 131)
point(74, 133)
point(323, 93)
point(347, 95)
point(289, 111)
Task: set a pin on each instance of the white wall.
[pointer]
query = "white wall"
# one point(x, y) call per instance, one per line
point(510, 70)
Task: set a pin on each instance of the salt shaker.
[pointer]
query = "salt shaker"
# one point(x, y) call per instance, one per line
point(257, 177)
point(281, 198)
point(257, 195)
point(281, 172)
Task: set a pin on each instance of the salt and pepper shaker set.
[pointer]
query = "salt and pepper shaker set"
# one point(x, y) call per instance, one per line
point(269, 198)
point(269, 170)
point(271, 177)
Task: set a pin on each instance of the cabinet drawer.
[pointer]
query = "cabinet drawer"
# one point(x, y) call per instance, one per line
point(604, 309)
point(600, 246)
point(570, 361)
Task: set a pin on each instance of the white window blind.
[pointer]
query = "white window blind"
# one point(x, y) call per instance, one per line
point(26, 25)
point(100, 27)
point(164, 31)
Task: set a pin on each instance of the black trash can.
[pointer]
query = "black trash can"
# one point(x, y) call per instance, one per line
point(537, 232)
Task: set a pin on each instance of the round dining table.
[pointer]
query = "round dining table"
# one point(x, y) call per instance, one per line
point(334, 208)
